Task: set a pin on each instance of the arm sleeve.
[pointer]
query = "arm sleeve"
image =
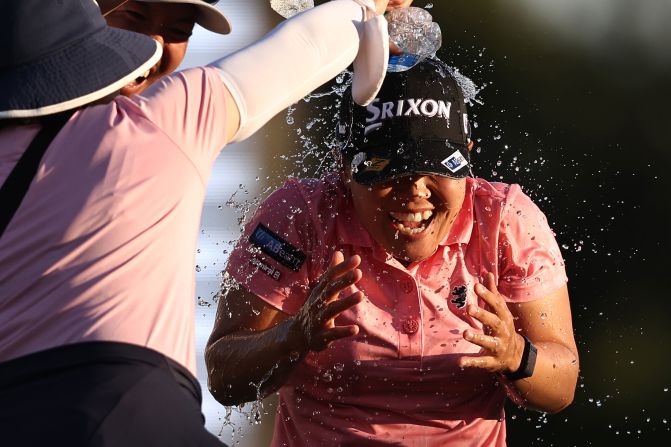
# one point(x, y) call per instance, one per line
point(300, 55)
point(530, 262)
point(265, 259)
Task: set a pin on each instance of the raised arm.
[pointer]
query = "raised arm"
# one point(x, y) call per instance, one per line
point(546, 322)
point(253, 346)
point(301, 54)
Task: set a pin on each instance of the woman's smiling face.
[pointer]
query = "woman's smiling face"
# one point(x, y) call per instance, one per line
point(170, 24)
point(409, 216)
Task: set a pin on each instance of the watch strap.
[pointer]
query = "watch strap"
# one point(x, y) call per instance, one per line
point(528, 363)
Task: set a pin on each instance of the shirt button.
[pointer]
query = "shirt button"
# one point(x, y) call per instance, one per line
point(407, 285)
point(410, 326)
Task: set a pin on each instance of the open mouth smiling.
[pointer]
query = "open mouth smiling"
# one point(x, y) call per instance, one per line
point(411, 223)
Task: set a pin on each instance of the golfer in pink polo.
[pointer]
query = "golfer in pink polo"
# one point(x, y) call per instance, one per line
point(399, 301)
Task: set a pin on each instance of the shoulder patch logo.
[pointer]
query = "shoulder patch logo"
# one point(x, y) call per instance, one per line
point(267, 269)
point(459, 293)
point(277, 248)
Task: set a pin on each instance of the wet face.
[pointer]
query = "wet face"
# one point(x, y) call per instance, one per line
point(409, 216)
point(170, 24)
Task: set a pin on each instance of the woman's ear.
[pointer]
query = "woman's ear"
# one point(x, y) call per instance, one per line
point(470, 145)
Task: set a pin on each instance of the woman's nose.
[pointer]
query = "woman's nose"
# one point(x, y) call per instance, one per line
point(420, 188)
point(415, 186)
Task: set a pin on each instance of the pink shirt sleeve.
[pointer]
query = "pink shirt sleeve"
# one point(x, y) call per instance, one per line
point(530, 262)
point(190, 108)
point(273, 257)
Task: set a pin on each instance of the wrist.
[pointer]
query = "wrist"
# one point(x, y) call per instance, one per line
point(296, 343)
point(527, 363)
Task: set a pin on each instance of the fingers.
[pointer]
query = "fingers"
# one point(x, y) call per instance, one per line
point(381, 6)
point(491, 344)
point(332, 332)
point(485, 362)
point(341, 274)
point(393, 48)
point(338, 266)
point(488, 319)
point(330, 335)
point(490, 295)
point(337, 307)
point(332, 290)
point(336, 259)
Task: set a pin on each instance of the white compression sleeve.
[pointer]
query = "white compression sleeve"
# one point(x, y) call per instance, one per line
point(300, 55)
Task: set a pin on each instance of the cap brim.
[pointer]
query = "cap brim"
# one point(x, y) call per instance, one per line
point(78, 74)
point(107, 6)
point(209, 17)
point(425, 158)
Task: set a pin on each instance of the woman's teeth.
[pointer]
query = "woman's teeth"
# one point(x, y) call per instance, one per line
point(411, 217)
point(400, 219)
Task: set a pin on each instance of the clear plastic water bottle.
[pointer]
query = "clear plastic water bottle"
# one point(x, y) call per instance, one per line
point(415, 33)
point(288, 8)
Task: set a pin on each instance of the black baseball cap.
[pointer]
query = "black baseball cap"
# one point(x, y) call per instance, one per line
point(417, 124)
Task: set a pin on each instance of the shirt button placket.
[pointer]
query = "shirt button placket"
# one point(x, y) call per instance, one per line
point(410, 318)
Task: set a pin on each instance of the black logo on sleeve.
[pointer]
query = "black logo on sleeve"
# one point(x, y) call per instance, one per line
point(459, 292)
point(277, 248)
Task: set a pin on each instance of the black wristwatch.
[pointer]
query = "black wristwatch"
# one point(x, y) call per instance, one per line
point(528, 363)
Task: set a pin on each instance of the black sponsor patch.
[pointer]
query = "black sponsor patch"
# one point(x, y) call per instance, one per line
point(459, 292)
point(267, 269)
point(277, 248)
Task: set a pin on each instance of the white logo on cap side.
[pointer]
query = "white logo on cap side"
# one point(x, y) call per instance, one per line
point(454, 162)
point(405, 107)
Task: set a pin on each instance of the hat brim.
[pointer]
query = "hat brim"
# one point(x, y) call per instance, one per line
point(209, 17)
point(429, 157)
point(80, 73)
point(107, 6)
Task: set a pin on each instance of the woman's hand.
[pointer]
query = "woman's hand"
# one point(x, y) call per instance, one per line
point(313, 326)
point(502, 346)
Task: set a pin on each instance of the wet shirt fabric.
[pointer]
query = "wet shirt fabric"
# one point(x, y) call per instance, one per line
point(397, 382)
point(104, 243)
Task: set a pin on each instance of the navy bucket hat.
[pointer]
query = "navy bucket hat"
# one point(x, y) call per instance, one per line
point(60, 55)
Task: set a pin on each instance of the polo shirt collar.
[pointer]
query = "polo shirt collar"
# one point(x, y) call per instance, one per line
point(350, 229)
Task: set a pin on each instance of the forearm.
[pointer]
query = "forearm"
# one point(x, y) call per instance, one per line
point(552, 386)
point(295, 58)
point(244, 366)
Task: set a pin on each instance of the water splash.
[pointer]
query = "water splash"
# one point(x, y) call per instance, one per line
point(289, 8)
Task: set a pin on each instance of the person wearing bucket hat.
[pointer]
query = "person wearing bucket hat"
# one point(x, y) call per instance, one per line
point(100, 198)
point(169, 22)
point(400, 299)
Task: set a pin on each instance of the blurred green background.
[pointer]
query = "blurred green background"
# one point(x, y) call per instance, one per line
point(574, 106)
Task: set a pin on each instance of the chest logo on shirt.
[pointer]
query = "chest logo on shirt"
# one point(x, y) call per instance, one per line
point(459, 294)
point(277, 248)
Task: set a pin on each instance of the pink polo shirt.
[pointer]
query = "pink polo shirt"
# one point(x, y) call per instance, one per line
point(397, 382)
point(103, 246)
